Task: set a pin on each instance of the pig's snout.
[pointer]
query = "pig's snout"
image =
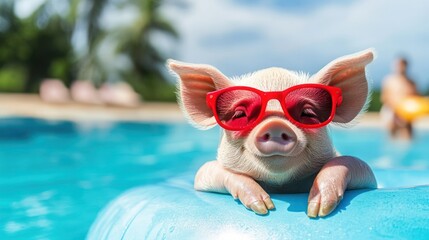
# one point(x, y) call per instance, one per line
point(275, 137)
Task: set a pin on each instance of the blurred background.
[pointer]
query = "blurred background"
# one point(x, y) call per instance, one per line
point(69, 59)
point(111, 41)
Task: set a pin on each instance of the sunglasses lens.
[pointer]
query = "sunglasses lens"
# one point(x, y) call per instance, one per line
point(238, 108)
point(310, 105)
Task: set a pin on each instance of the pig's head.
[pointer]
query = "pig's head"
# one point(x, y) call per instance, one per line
point(274, 151)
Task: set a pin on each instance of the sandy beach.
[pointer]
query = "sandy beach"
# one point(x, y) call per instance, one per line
point(31, 105)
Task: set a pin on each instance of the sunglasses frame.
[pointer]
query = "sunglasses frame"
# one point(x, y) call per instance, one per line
point(335, 93)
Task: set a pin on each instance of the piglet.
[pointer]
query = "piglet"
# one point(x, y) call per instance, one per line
point(284, 148)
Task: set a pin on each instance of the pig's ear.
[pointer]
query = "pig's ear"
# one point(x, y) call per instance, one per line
point(195, 81)
point(347, 73)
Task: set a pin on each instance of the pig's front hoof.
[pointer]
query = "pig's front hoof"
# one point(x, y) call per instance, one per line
point(317, 209)
point(249, 192)
point(262, 207)
point(328, 188)
point(313, 209)
point(325, 195)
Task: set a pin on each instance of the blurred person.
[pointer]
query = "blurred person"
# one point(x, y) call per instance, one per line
point(397, 87)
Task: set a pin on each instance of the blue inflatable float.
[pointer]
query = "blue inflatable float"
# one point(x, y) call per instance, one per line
point(173, 210)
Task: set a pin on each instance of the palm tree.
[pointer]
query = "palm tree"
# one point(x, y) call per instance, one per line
point(44, 43)
point(38, 45)
point(89, 30)
point(134, 42)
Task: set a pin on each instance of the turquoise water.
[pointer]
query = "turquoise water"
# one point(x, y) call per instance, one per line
point(56, 175)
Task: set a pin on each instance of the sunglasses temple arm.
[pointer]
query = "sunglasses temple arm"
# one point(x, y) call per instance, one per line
point(209, 100)
point(339, 100)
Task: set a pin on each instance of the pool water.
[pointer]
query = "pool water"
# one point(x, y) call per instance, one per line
point(55, 176)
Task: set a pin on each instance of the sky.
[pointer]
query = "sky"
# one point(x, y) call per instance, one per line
point(241, 36)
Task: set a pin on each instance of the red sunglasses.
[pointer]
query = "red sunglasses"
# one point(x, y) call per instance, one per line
point(240, 108)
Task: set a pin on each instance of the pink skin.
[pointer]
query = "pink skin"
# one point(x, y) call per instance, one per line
point(276, 155)
point(274, 138)
point(326, 184)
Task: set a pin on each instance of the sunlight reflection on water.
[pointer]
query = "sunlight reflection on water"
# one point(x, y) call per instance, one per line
point(63, 173)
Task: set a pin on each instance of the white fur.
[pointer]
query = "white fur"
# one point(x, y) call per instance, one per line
point(312, 147)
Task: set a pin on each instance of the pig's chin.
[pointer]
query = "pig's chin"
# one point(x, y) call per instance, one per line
point(279, 161)
point(274, 169)
point(276, 163)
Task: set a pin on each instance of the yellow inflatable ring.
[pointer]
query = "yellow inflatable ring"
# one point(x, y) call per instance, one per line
point(412, 108)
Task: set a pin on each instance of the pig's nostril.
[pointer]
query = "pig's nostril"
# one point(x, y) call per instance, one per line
point(285, 136)
point(266, 137)
point(275, 138)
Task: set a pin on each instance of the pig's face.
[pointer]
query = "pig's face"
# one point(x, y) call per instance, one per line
point(275, 150)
